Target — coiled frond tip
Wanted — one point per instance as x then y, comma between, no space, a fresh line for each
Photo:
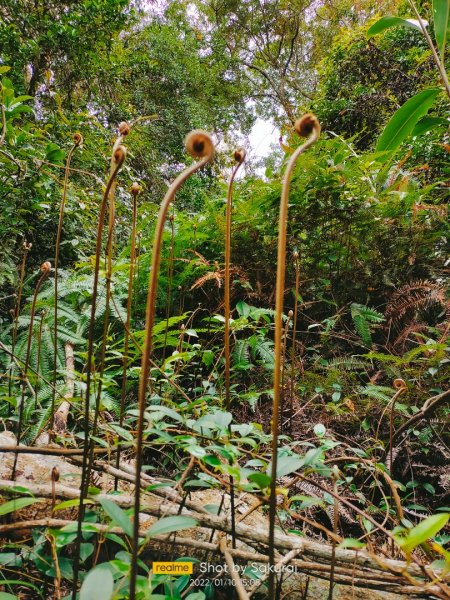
306,125
124,128
199,144
135,189
239,155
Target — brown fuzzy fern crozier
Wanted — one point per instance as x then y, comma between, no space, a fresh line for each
239,157
306,125
45,272
199,145
135,191
117,160
77,141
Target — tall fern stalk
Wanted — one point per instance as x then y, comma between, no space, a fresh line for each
124,129
118,158
45,272
26,249
296,258
239,157
135,189
308,125
77,141
198,145
169,277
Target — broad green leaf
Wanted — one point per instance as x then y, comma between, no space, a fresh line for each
170,524
405,118
428,123
243,309
441,17
4,69
117,515
22,583
71,503
286,465
86,549
169,412
98,585
351,543
260,479
6,596
422,532
13,505
320,429
11,559
388,22
213,509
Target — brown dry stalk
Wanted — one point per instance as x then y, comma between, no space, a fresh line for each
26,249
124,129
240,589
239,157
294,336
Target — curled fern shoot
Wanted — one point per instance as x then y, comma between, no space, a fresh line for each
308,125
45,272
77,141
239,157
118,158
135,189
198,145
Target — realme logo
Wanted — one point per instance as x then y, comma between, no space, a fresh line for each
173,568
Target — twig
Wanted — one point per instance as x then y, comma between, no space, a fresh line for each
240,589
429,406
283,561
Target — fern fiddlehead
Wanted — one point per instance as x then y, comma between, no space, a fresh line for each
26,249
45,272
135,190
308,125
118,158
198,145
77,141
239,157
124,130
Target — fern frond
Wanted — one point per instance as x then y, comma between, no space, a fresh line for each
378,392
348,363
363,317
241,355
414,296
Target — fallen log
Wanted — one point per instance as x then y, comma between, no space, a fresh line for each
357,577
353,567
